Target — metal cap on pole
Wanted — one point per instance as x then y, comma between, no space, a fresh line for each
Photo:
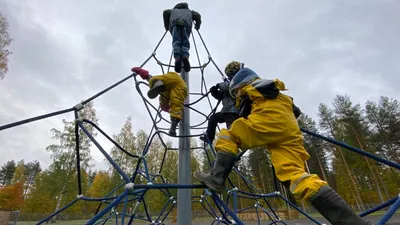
184,168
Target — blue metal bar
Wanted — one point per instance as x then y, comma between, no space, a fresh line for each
146,170
392,210
170,186
108,208
273,194
57,212
379,207
122,173
124,210
234,202
351,148
258,215
97,199
218,201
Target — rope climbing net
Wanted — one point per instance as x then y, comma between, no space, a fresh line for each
222,211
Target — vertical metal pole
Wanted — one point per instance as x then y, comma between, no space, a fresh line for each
184,173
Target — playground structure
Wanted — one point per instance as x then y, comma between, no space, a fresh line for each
134,193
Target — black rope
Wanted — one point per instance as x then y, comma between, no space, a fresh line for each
78,159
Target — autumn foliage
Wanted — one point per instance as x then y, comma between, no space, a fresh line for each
11,197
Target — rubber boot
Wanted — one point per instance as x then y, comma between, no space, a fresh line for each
178,65
174,124
216,177
334,208
156,89
186,64
203,136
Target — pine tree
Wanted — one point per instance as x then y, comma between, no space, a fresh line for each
346,183
7,173
355,132
384,121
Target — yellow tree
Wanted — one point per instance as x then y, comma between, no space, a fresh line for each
19,174
11,197
100,185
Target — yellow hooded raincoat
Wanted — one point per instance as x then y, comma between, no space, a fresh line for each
272,124
175,92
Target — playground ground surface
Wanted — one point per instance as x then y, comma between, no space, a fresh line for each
395,220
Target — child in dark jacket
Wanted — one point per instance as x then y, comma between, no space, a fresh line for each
228,113
179,21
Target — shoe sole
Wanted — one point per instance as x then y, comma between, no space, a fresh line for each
209,185
153,93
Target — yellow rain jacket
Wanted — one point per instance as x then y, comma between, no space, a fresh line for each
271,124
175,92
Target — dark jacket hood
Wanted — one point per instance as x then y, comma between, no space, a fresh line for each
182,5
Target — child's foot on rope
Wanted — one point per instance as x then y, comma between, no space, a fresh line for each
178,65
186,64
205,137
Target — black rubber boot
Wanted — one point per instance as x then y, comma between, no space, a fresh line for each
156,89
203,137
215,178
186,64
174,124
178,66
334,208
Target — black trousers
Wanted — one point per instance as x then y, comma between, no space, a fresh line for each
219,117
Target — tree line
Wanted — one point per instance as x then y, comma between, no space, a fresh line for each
374,127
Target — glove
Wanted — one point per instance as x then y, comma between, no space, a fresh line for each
197,26
165,108
215,92
144,74
296,110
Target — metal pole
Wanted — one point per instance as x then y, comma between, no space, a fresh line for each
184,173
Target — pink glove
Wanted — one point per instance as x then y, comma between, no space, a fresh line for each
164,108
144,74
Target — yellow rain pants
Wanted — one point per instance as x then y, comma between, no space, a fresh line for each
273,125
175,92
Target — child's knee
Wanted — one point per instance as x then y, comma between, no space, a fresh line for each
306,187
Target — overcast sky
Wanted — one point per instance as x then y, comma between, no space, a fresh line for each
66,51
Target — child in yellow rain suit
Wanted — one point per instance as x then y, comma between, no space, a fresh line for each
271,122
172,90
